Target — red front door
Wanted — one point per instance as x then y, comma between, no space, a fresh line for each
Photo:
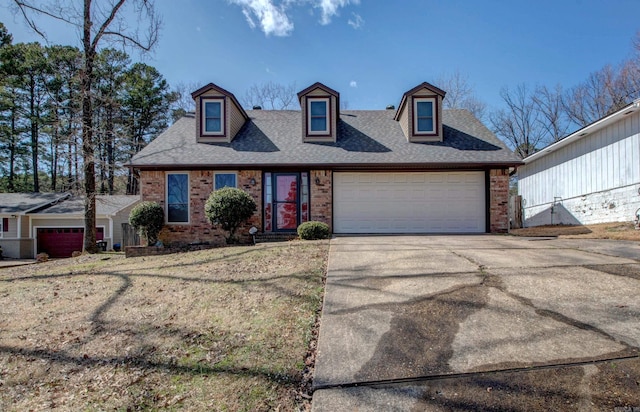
286,201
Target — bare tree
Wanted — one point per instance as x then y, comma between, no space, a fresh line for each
518,124
270,95
605,91
460,94
184,102
552,117
98,23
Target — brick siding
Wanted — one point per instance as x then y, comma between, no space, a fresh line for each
322,197
152,184
199,229
499,200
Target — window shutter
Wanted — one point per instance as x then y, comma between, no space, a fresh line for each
5,224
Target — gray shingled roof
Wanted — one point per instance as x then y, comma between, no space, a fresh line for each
105,205
366,138
14,203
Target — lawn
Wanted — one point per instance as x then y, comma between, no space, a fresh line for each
614,231
223,329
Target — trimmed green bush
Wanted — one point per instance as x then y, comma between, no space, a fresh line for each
313,230
148,219
229,208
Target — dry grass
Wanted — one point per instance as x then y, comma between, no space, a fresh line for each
224,329
616,231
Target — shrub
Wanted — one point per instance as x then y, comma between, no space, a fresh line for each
229,208
148,219
313,230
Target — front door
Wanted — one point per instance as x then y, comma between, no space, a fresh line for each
285,201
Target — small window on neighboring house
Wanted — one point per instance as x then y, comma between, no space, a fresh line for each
318,113
221,180
212,116
5,226
177,198
424,116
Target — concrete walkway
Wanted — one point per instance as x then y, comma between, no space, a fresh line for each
7,263
478,322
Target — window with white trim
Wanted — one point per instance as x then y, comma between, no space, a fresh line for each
424,115
318,115
212,113
226,179
177,198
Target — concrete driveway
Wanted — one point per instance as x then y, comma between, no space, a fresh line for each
479,322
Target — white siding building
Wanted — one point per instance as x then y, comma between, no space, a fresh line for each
591,176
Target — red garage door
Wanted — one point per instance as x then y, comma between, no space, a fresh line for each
62,242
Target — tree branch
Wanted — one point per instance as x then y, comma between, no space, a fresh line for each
23,5
106,23
145,47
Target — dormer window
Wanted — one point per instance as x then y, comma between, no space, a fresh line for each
320,115
420,113
425,115
220,115
212,111
318,119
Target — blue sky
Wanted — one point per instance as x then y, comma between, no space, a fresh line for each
374,51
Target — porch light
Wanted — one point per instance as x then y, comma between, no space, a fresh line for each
252,181
317,180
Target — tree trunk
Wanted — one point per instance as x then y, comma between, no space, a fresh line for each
34,133
12,151
55,139
87,137
110,149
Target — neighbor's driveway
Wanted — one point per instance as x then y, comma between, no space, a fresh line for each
423,321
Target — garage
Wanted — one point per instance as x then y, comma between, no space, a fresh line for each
61,242
409,202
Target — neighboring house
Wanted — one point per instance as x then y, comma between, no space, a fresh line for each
417,169
590,176
54,223
15,237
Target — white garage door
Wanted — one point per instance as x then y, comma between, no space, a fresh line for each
420,202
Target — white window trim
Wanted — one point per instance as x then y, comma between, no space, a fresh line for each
326,101
1,227
434,106
203,118
224,173
166,198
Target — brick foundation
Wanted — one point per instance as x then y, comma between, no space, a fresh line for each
499,201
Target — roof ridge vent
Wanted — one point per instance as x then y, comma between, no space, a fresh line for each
391,107
257,107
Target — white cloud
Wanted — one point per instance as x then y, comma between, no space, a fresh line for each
329,8
273,19
353,83
356,22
